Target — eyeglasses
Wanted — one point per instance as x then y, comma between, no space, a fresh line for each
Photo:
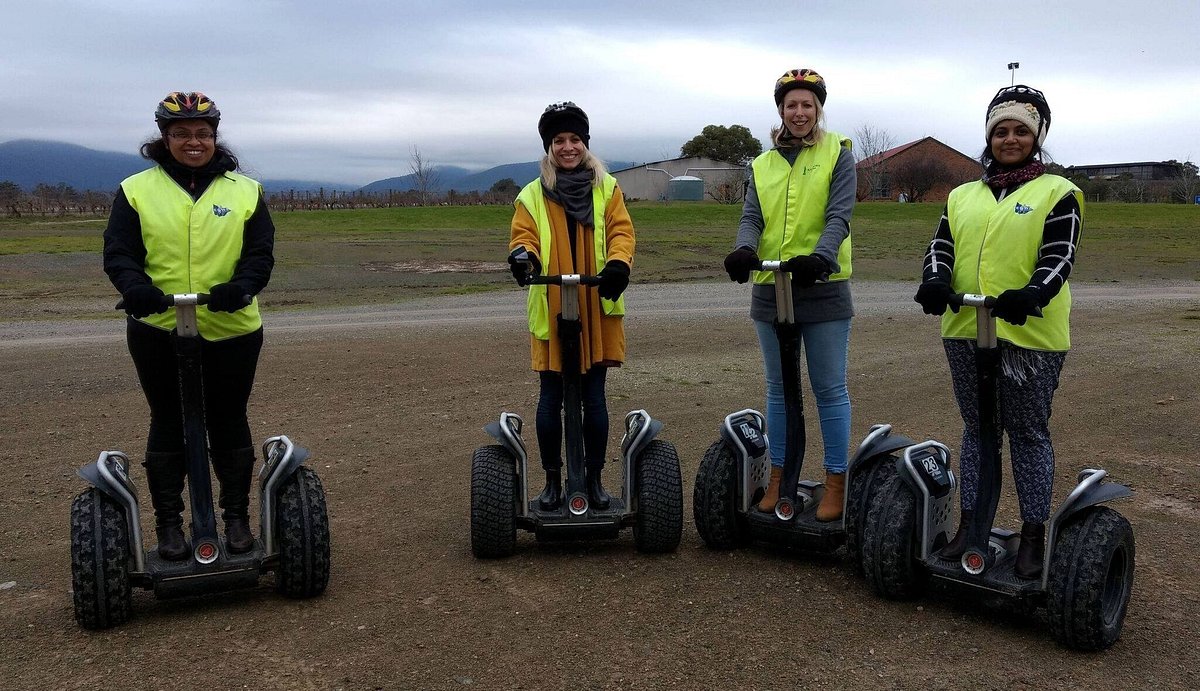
182,136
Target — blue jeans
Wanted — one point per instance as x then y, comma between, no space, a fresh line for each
826,346
595,418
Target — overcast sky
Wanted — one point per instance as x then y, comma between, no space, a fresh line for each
344,90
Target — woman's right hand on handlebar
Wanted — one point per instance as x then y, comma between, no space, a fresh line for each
934,297
523,265
740,262
143,299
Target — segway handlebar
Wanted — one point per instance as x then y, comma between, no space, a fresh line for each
565,280
185,299
974,300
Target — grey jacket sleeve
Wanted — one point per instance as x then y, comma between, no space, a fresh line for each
750,228
843,188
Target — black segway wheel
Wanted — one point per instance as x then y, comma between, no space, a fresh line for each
660,499
1091,577
493,502
890,547
99,561
715,500
302,527
866,483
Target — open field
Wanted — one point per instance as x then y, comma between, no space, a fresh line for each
391,399
374,256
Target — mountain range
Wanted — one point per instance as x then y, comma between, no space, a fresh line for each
29,162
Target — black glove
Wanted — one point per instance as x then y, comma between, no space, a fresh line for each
227,297
614,279
1015,306
143,300
934,297
524,267
807,269
740,262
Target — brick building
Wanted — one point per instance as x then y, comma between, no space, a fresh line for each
889,174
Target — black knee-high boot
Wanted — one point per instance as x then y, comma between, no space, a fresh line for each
551,496
235,470
165,473
597,497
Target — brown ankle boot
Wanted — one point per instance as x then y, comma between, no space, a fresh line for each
958,544
771,498
830,508
1031,550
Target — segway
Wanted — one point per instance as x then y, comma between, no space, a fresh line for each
651,498
734,474
1087,571
107,554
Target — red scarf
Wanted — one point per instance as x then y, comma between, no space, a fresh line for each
1013,177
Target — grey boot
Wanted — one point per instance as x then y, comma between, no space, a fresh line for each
165,473
235,471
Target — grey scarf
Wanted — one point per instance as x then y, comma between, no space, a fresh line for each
573,190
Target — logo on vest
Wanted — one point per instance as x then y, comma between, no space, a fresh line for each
805,170
1022,209
219,210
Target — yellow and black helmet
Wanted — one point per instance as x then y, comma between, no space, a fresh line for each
800,79
186,105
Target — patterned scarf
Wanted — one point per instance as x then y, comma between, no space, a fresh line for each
573,190
999,179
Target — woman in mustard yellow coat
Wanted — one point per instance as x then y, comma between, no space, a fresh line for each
572,220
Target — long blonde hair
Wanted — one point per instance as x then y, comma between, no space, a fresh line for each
782,137
550,167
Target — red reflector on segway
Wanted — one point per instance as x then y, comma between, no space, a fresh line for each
973,561
206,552
784,510
578,504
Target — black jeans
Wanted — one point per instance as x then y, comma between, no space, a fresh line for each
595,418
229,368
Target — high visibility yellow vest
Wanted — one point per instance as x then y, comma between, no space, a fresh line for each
793,199
996,246
192,245
534,201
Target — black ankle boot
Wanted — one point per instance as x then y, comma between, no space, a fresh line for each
1031,550
958,544
597,497
551,497
235,470
165,472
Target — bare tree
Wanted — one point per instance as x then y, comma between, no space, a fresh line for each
425,177
1185,183
869,143
915,178
728,188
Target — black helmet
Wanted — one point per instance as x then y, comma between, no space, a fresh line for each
563,117
186,105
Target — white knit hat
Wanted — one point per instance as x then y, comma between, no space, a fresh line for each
1021,103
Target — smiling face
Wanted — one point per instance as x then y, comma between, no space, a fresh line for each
191,142
800,112
567,150
1011,142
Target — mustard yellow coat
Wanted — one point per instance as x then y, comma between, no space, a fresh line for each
603,336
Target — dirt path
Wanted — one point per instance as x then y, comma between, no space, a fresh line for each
392,400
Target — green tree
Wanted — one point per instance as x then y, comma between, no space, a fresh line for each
733,144
506,187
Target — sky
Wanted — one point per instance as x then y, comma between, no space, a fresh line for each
346,91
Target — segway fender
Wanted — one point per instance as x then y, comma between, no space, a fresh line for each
925,468
1091,491
640,430
281,459
879,441
109,474
507,431
743,434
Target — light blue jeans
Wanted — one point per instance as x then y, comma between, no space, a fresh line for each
826,346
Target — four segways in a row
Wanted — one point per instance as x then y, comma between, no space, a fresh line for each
108,557
651,498
1087,569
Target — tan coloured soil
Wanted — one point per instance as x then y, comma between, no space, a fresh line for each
392,408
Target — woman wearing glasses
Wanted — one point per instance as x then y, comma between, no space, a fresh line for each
572,219
1012,234
797,209
192,225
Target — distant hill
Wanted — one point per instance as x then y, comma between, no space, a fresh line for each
462,180
29,162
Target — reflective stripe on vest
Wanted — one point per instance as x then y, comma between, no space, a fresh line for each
192,245
996,245
793,200
534,201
